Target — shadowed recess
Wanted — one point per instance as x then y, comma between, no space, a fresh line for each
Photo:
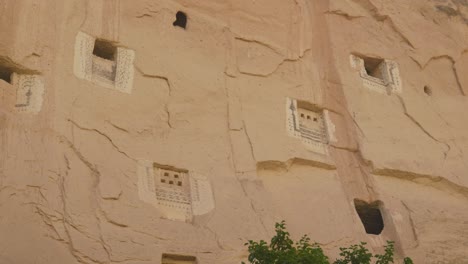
178,259
427,90
5,73
104,49
181,20
373,67
370,216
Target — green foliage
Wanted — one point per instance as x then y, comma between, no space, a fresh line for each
359,254
355,254
283,250
408,261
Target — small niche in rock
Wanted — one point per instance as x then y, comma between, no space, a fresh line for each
427,90
181,20
370,215
178,259
373,67
5,73
104,49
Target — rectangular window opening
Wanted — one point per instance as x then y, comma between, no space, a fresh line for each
104,49
178,259
374,67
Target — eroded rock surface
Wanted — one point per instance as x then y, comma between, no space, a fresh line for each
127,138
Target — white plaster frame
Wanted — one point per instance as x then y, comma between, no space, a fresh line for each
391,82
84,59
293,128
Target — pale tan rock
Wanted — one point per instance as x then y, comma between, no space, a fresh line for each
86,135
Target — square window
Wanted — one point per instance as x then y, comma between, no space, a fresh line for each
103,62
104,49
374,67
308,122
378,74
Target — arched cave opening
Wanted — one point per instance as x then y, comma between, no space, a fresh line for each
370,215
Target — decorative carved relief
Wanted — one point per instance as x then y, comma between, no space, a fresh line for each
114,71
378,74
308,124
29,90
178,193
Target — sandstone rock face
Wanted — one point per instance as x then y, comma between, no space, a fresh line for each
173,131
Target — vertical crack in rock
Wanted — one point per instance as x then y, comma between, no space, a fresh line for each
154,76
413,226
405,111
67,219
233,161
96,174
248,140
166,109
374,12
215,236
48,221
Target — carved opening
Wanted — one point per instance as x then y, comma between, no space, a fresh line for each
178,259
427,90
104,49
181,20
374,67
311,124
5,73
370,215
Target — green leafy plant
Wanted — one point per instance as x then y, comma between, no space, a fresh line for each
283,250
355,254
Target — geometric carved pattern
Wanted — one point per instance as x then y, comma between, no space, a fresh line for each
29,90
172,190
307,124
115,73
177,193
384,77
25,87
